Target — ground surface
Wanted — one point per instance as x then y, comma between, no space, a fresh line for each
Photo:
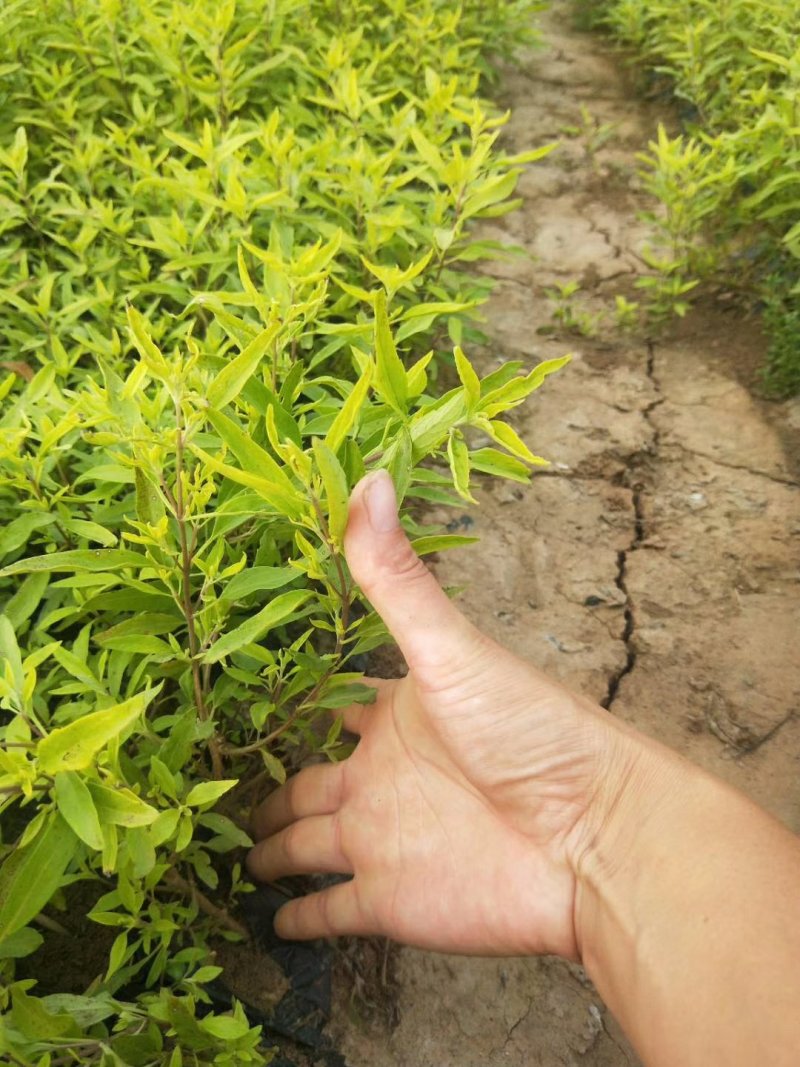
654,567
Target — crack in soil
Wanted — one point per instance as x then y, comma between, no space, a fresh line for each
513,1027
639,537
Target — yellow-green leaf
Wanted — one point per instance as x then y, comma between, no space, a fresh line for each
276,612
148,350
510,439
232,378
423,546
348,413
81,559
390,374
208,792
31,875
469,379
73,747
120,806
458,455
336,491
289,504
75,803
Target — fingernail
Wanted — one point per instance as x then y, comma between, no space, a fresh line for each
381,502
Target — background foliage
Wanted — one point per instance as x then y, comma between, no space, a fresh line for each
730,185
235,247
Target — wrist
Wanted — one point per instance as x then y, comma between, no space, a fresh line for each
677,872
634,829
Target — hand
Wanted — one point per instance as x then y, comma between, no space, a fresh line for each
474,788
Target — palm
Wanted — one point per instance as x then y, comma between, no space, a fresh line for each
431,852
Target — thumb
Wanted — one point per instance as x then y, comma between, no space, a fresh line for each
429,629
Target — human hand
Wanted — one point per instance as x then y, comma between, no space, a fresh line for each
475,785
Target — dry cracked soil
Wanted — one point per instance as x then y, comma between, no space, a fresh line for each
653,566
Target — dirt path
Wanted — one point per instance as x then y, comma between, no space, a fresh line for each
654,567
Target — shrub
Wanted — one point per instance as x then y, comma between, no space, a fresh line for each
730,186
234,245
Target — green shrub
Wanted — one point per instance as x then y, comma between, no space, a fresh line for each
731,185
235,244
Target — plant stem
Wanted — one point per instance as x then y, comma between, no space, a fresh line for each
187,555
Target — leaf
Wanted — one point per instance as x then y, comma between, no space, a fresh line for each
398,462
423,546
348,413
252,457
73,747
256,580
431,425
285,503
10,654
149,505
75,803
85,1010
30,876
141,644
16,533
208,792
225,1027
510,439
120,806
75,666
148,350
511,393
336,490
427,150
490,461
26,599
469,379
491,191
458,455
20,944
91,531
97,559
276,612
390,374
232,378
276,769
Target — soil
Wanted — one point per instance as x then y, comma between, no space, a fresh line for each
653,566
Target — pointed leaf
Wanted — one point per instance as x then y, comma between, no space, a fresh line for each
276,612
31,875
348,413
423,546
336,490
75,803
469,379
390,376
458,455
73,747
97,559
510,439
285,503
232,378
208,792
120,807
